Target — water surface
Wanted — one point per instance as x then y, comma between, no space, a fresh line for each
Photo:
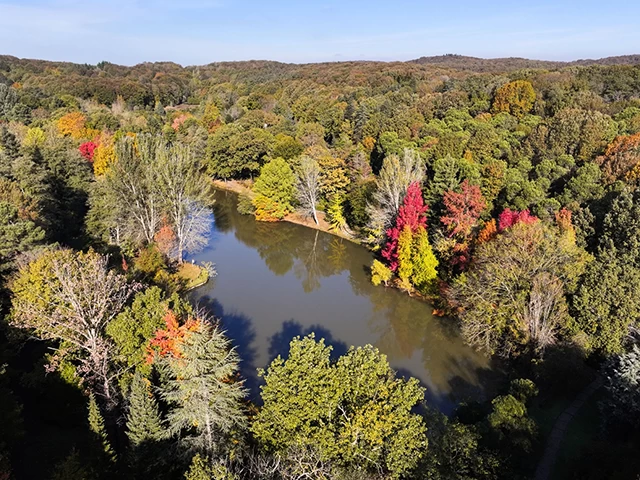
279,280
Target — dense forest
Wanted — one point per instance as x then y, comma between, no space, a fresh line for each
506,192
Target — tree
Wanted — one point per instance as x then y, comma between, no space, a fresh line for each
202,391
405,257
184,192
509,418
201,469
274,191
72,124
508,218
412,214
133,328
87,150
515,97
96,425
607,304
132,188
18,233
395,177
621,406
354,411
462,210
493,298
71,297
380,273
308,185
424,262
143,419
621,158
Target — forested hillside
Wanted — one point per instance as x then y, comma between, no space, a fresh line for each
506,192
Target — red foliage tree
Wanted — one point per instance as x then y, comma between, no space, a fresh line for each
508,218
87,150
413,213
463,209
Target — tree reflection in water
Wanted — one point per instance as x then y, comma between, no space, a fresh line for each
304,280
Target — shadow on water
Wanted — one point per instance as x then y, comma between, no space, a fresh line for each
279,342
321,284
239,329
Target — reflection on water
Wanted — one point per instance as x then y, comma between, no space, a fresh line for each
279,280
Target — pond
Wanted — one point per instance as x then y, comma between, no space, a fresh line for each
279,280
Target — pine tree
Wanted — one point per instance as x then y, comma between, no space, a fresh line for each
380,273
143,422
96,425
202,390
8,144
405,259
425,263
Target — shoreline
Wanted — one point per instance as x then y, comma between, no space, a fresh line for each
295,218
236,187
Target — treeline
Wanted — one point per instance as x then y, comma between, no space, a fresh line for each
510,199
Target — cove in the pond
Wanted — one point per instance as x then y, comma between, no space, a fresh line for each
279,280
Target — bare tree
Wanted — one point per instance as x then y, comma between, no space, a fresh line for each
545,311
397,173
131,185
185,192
308,185
70,297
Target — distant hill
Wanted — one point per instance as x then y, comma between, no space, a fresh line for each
461,62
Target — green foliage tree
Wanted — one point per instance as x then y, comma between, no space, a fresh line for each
494,297
202,391
354,411
274,191
380,273
96,425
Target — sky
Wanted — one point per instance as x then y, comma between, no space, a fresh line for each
195,32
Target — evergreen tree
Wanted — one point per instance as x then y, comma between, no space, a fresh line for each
143,421
425,263
202,390
96,425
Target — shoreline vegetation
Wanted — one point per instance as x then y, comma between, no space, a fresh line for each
242,189
508,188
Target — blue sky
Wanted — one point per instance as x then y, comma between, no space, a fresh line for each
202,31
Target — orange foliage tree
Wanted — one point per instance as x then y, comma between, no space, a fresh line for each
166,341
621,159
72,124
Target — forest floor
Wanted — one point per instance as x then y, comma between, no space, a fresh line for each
243,188
562,439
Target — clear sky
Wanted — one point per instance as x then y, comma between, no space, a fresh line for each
202,31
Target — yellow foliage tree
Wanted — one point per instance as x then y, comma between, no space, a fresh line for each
34,138
73,125
104,155
516,98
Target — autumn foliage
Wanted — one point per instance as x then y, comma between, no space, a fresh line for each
166,342
621,160
72,124
516,98
462,209
412,213
87,150
508,218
